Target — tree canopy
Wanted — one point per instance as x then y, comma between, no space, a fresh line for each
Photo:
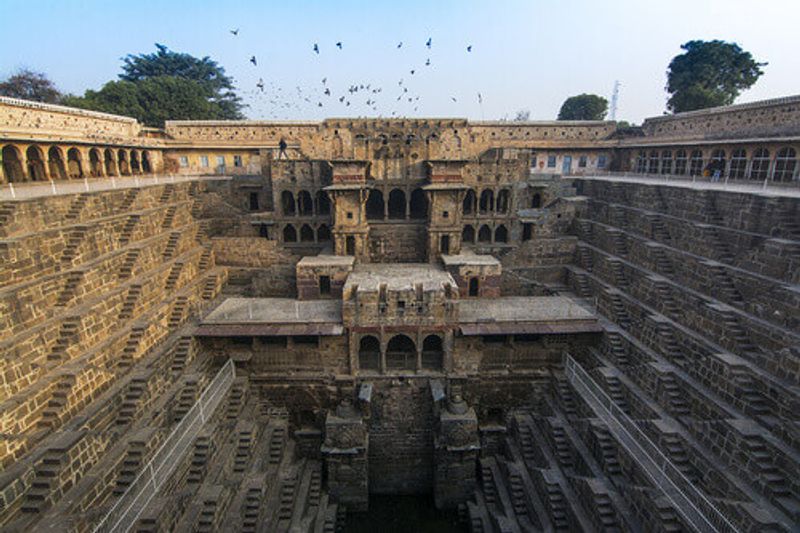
584,107
709,74
166,85
30,85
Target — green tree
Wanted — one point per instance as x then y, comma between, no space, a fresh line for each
709,74
584,107
166,85
30,85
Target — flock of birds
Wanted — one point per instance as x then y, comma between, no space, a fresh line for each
392,102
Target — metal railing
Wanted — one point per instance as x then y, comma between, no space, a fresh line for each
123,515
711,181
37,189
698,512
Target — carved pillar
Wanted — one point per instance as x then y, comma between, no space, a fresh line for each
345,451
456,447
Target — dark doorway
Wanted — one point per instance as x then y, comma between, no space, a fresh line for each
324,285
444,244
473,286
350,246
253,201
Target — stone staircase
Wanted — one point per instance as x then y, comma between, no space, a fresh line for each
607,449
618,272
181,355
286,503
562,448
76,207
137,390
735,331
567,399
713,236
619,311
277,442
673,448
166,194
6,212
676,399
201,453
134,292
131,349
171,246
130,197
663,263
45,480
604,510
73,243
724,283
126,270
205,258
169,217
670,344
251,509
617,393
57,404
658,230
764,467
173,276
585,258
557,507
617,348
126,234
67,336
668,303
178,312
747,391
73,280
620,242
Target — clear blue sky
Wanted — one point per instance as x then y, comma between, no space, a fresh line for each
526,54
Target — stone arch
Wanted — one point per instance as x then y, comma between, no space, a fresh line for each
485,234
306,233
718,162
55,159
375,205
36,170
486,204
501,234
323,203
401,353
503,197
418,205
468,206
738,166
680,162
95,163
305,205
122,161
536,200
696,163
759,166
432,353
12,164
135,166
74,163
652,164
397,204
287,203
369,353
289,233
111,164
147,167
468,234
323,233
666,162
785,164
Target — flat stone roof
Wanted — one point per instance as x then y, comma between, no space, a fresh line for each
470,259
397,277
525,314
326,260
275,311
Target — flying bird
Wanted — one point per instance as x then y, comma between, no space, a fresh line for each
235,32
428,42
341,99
412,72
327,92
469,48
428,62
253,60
453,98
324,81
400,44
260,84
316,48
480,98
339,45
319,104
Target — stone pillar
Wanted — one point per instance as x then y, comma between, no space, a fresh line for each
456,447
345,451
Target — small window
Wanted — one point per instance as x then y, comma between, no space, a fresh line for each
494,339
325,285
533,161
551,161
242,341
582,161
183,161
310,340
445,214
601,161
237,160
473,286
527,231
220,160
273,341
349,215
401,304
253,201
263,231
204,161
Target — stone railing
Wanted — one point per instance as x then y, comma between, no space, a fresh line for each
701,182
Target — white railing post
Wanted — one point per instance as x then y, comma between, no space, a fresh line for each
53,187
86,183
